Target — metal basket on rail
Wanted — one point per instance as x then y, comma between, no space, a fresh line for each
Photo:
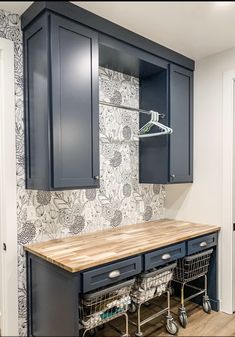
193,266
152,284
104,305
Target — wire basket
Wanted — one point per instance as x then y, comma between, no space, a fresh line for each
152,284
99,307
192,267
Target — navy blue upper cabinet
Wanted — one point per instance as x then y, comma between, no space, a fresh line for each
61,104
168,159
63,48
75,104
181,121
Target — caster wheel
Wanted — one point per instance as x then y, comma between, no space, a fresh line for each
92,332
206,306
132,307
172,327
183,318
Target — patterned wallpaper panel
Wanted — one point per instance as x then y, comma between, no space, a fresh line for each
121,200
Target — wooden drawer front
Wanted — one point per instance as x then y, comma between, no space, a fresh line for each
162,256
112,273
201,243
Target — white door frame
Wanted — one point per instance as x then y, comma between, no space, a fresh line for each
227,260
8,214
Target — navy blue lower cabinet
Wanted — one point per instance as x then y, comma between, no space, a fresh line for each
213,280
52,299
53,293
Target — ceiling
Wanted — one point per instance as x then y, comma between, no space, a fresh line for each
195,29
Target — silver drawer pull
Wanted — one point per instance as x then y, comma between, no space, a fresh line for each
203,244
166,256
114,273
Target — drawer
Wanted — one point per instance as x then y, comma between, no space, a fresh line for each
109,274
162,256
201,243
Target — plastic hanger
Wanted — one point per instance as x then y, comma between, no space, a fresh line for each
154,121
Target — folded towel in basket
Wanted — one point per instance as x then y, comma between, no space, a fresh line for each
111,309
146,287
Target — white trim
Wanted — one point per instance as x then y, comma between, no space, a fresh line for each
226,261
8,215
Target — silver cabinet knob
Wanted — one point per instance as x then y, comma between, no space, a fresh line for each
96,177
166,256
172,176
203,244
114,273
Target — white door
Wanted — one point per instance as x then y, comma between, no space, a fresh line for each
8,218
233,201
227,235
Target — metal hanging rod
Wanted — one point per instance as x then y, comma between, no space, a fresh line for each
125,107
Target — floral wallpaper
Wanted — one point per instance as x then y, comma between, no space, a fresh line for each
121,200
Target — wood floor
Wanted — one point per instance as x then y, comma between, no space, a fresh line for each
200,324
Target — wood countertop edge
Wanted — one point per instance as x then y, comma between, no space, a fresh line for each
211,229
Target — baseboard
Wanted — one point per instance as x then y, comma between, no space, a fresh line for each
215,305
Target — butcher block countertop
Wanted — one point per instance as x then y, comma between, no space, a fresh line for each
78,253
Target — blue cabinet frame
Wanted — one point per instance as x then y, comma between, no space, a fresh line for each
63,48
181,121
53,293
61,104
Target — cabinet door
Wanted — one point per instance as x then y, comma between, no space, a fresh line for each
181,121
36,107
75,105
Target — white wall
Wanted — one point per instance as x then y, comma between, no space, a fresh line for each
8,214
202,201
